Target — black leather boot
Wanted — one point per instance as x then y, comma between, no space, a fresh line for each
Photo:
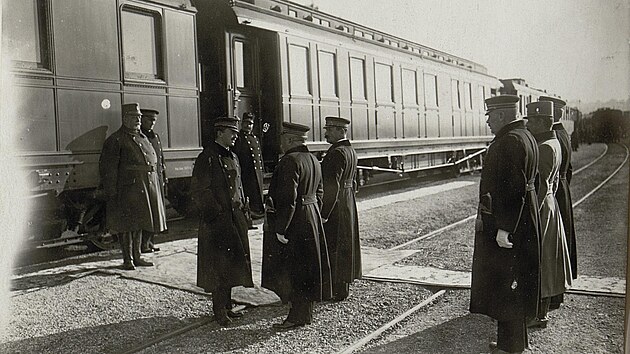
137,261
124,239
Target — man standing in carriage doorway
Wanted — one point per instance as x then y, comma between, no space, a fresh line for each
128,168
506,259
223,258
247,148
339,210
149,117
563,194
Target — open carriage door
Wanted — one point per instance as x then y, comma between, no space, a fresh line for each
243,77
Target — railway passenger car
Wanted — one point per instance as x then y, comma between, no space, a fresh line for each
412,108
74,63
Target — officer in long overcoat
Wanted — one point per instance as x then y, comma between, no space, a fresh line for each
223,258
128,168
554,260
249,154
296,192
506,264
147,123
339,209
563,195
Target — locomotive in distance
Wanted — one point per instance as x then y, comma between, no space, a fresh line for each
413,109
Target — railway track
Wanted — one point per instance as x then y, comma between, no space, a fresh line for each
439,292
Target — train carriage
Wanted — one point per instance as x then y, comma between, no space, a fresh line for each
413,108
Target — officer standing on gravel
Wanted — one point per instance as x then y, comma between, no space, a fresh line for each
563,195
506,265
223,258
247,149
128,167
149,117
339,209
295,197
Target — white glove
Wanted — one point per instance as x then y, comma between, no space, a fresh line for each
502,239
282,239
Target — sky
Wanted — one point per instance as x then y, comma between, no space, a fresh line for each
578,49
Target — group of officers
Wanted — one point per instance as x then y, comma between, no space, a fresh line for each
524,253
311,248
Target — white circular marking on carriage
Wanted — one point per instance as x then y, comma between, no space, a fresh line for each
106,104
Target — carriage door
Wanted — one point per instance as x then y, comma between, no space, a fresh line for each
243,83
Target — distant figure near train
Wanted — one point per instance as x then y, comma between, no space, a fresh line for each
339,210
506,268
247,148
128,168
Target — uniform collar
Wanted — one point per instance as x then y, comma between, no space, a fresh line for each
517,124
222,150
149,133
548,135
299,148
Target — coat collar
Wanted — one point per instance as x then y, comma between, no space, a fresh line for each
342,142
223,152
517,124
544,136
148,133
299,148
558,126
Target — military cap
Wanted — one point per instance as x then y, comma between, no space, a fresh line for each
131,108
542,109
501,102
295,129
337,122
149,112
248,117
227,122
557,103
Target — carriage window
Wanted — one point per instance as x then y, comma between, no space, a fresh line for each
469,101
482,91
357,78
327,75
141,34
455,94
431,90
384,92
299,77
409,87
242,64
25,33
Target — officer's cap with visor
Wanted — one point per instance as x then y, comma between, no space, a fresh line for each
501,102
540,110
131,109
294,129
337,122
226,122
248,117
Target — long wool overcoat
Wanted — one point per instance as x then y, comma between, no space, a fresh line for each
299,269
563,195
555,277
128,170
339,168
505,282
223,258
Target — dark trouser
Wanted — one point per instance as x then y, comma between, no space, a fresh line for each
147,240
221,300
130,245
556,301
512,336
301,311
341,290
543,307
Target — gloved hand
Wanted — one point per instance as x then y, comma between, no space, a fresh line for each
502,239
282,239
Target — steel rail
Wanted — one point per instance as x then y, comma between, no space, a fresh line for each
471,217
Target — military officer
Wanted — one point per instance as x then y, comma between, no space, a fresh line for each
506,266
223,258
339,209
554,260
247,149
147,123
563,195
296,191
128,168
